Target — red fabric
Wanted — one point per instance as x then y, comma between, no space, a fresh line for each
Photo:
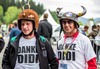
74,35
92,63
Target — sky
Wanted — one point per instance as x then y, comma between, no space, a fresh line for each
92,6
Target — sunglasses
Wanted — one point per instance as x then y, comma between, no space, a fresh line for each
69,22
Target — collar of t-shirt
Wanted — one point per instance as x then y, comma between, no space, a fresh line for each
73,36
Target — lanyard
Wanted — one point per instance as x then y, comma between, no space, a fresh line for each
66,50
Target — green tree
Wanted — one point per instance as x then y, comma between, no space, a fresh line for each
54,16
1,13
11,14
80,23
39,8
6,3
1,10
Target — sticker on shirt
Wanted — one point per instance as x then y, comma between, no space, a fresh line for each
63,66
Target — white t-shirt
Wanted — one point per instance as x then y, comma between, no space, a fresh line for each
78,54
27,56
3,27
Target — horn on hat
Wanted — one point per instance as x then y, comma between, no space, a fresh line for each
82,13
23,7
58,11
27,5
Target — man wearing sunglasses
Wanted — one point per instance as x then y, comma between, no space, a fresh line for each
74,50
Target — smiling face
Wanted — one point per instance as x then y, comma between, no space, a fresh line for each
68,26
26,26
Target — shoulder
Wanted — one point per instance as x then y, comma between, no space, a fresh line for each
82,37
14,28
42,21
83,32
13,39
49,23
60,40
43,39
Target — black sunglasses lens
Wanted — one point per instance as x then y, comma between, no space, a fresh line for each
64,22
70,21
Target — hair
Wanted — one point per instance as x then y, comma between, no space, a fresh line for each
86,27
15,24
93,27
45,15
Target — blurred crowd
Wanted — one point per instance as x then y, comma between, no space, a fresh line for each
6,30
94,36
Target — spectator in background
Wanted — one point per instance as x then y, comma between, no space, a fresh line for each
3,28
15,31
97,42
10,27
45,28
92,35
2,43
85,30
94,32
98,27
